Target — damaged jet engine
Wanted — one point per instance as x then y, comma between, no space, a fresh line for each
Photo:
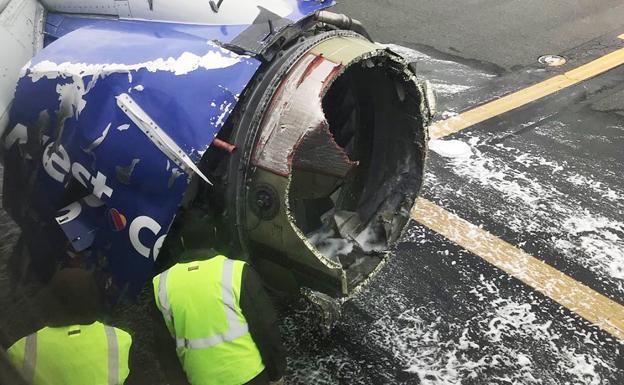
296,139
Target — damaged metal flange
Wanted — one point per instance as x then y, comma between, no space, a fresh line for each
327,310
338,132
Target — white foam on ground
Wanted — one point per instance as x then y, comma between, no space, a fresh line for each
543,206
462,73
450,148
598,187
500,344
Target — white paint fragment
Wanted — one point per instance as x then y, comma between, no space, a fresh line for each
225,108
187,62
138,88
175,174
123,127
99,140
450,148
25,68
71,97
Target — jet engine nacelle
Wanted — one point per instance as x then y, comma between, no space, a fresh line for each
284,137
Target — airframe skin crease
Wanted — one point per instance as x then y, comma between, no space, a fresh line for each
287,123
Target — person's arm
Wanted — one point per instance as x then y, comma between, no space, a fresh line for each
262,321
165,350
9,374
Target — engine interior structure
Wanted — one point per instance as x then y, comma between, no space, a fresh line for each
283,132
334,160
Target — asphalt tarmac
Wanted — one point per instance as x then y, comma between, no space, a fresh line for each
545,177
503,34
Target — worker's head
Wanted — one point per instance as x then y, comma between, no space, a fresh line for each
200,231
72,297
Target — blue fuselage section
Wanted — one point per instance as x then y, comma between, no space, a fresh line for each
104,123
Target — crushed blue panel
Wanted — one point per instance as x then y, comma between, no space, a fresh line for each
105,153
308,7
80,223
70,158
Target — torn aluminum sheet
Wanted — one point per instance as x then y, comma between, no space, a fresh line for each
335,163
117,127
78,81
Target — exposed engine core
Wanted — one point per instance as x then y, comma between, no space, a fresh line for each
292,141
330,164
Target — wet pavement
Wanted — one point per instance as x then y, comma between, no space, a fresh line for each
545,177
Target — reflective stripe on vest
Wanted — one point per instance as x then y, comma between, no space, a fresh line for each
235,328
30,356
162,297
113,355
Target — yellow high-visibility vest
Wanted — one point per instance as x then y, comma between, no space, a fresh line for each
200,302
94,354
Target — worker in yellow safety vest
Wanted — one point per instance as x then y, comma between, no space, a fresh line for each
223,323
74,348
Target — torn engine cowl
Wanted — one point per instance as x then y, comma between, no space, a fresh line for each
331,151
304,143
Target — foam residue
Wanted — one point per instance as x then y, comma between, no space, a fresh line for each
450,148
502,341
448,78
326,242
592,237
369,240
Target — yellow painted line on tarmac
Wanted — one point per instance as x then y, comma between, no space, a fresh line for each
573,295
527,95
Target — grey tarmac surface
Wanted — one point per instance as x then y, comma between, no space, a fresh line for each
503,34
545,177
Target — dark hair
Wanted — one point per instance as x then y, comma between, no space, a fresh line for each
199,230
72,298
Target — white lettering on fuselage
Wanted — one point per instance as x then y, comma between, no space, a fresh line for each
138,224
57,164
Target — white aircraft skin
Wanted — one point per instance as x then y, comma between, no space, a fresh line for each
178,11
21,37
22,21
